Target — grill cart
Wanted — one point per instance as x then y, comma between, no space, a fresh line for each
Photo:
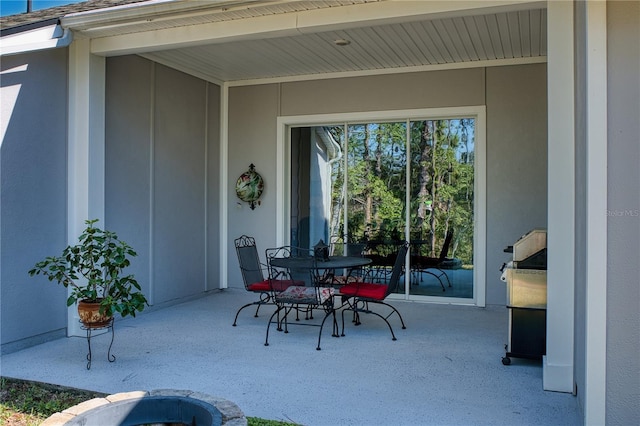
526,278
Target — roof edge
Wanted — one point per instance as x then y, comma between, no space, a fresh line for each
28,27
36,40
140,10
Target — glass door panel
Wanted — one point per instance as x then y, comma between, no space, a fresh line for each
376,170
379,183
442,184
316,154
376,188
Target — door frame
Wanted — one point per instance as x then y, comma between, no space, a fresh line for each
283,179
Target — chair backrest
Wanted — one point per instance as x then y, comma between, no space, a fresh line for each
398,267
298,275
307,275
445,246
249,261
355,249
338,247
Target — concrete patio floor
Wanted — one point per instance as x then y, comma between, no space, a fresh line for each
444,369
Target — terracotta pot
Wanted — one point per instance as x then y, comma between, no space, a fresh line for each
90,316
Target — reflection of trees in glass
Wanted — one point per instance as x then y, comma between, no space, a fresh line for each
441,183
376,170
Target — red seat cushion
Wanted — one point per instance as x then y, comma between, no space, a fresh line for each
278,285
365,290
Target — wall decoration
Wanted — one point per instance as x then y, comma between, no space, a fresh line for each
249,187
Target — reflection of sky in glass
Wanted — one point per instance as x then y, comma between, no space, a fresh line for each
457,128
377,130
357,134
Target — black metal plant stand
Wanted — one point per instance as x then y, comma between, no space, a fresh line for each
109,325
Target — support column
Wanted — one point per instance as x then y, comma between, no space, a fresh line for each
595,321
86,154
558,362
224,185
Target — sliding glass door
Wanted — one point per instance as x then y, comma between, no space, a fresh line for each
374,184
442,203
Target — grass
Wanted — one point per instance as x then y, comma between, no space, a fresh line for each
26,403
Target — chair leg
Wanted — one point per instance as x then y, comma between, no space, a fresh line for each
265,299
287,311
284,319
330,312
353,308
356,311
397,312
257,309
342,313
235,321
365,309
446,276
437,277
393,335
278,321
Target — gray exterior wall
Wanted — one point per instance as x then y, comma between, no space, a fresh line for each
516,142
162,175
252,139
161,184
33,191
623,204
127,157
516,163
623,212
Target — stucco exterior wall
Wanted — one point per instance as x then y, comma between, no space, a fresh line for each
159,169
386,92
623,210
622,372
516,163
516,125
33,191
127,157
252,139
162,132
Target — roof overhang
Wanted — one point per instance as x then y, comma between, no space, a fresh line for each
168,24
255,41
40,37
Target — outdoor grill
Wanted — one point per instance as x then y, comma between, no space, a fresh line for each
526,278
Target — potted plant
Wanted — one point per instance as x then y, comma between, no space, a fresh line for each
94,270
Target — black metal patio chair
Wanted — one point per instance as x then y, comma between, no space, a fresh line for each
313,296
359,295
253,275
427,264
340,248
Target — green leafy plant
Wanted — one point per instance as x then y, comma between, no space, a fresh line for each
93,269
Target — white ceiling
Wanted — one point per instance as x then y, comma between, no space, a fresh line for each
374,46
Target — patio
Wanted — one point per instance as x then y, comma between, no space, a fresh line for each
444,369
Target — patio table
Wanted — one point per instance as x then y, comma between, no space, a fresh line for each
334,262
324,297
313,265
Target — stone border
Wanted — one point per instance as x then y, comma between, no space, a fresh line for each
221,411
